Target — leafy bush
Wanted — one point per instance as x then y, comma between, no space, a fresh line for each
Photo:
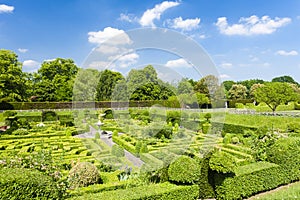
83,174
118,151
206,127
28,184
20,131
126,145
206,189
250,179
235,140
207,116
162,191
49,116
144,148
239,106
97,135
184,170
222,162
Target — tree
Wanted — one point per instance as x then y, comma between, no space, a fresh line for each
254,88
228,84
106,84
237,91
184,87
284,79
209,85
85,85
54,80
274,94
13,82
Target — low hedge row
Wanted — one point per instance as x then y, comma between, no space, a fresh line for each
28,184
163,191
126,145
70,105
99,188
250,179
151,160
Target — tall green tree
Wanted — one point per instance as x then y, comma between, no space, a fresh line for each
284,79
13,82
54,80
274,94
184,87
85,85
106,84
237,91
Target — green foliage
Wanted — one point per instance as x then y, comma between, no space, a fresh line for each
49,116
144,148
206,189
83,174
184,170
239,106
126,145
235,140
173,116
222,162
118,151
206,127
237,91
28,184
284,79
97,135
54,80
250,179
20,131
162,191
274,94
207,116
13,83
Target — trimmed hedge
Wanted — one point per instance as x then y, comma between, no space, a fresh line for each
28,184
163,191
184,170
250,179
126,145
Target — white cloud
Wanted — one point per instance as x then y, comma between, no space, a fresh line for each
224,76
30,65
252,25
186,25
287,53
127,60
226,65
128,17
119,36
151,14
108,49
22,50
177,63
6,9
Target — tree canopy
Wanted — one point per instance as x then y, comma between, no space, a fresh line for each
274,94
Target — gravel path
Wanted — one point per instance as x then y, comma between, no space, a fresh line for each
135,160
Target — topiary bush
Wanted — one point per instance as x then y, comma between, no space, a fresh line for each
83,174
184,170
16,183
118,151
49,116
20,131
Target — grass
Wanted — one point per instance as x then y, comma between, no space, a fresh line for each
1,119
258,120
291,191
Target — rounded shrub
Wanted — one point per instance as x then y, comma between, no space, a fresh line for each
20,131
184,170
118,151
17,183
235,140
83,174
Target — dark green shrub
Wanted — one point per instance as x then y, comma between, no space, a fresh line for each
28,184
293,127
235,140
83,174
206,185
67,123
174,117
207,116
108,114
250,179
118,151
49,116
184,170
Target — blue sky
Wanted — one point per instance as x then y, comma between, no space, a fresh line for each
245,39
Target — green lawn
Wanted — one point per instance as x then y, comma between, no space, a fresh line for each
291,191
258,120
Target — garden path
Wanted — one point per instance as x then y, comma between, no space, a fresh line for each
91,134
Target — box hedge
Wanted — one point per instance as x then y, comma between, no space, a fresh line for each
163,191
249,179
28,184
